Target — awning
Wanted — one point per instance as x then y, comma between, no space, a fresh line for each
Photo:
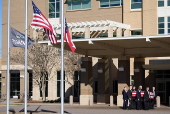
133,46
79,27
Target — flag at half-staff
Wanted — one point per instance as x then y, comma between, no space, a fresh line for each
17,39
40,20
68,38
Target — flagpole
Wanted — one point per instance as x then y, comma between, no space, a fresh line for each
26,47
8,62
62,55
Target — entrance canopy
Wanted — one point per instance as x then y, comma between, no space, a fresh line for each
134,46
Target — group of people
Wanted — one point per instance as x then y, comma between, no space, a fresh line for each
138,99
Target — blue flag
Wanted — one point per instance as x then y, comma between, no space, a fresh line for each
18,39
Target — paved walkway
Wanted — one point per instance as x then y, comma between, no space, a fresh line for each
77,109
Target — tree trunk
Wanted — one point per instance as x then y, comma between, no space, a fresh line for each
43,88
43,91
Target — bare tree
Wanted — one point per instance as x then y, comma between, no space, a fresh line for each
44,60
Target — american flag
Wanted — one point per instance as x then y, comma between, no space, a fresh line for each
40,20
68,38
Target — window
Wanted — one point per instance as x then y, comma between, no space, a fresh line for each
95,87
78,4
76,84
168,3
162,73
161,27
115,86
105,35
58,83
160,3
110,3
15,83
30,84
136,4
54,8
168,24
78,36
136,32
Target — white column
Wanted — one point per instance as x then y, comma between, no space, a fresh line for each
110,31
87,32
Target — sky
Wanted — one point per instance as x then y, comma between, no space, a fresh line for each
0,27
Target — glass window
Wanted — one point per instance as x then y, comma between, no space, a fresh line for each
136,32
168,3
160,86
136,4
78,4
114,34
168,24
76,84
58,83
86,4
109,3
15,83
30,84
161,25
78,36
54,8
160,3
103,35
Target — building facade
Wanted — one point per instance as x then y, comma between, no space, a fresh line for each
96,19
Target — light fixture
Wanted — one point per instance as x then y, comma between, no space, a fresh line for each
90,42
21,76
83,69
148,40
121,68
136,70
100,70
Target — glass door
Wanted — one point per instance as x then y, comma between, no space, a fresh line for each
167,92
161,91
15,84
76,86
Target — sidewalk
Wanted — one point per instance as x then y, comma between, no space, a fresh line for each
77,109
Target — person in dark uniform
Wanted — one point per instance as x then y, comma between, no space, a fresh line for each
152,102
125,98
142,98
133,101
123,90
130,97
138,97
146,99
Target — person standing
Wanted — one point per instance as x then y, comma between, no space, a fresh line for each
138,96
130,97
146,99
133,101
125,98
142,97
153,98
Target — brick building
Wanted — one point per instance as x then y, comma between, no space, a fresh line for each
125,50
